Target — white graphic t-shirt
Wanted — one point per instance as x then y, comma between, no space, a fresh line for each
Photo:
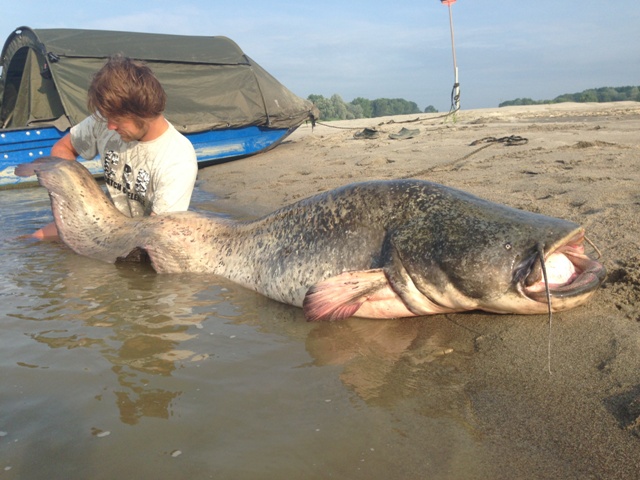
141,177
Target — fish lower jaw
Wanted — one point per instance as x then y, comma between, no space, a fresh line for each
522,304
587,277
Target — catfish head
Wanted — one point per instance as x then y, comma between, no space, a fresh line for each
481,255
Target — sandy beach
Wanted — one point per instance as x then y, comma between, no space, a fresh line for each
580,162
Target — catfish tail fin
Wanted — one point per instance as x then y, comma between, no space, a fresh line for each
86,219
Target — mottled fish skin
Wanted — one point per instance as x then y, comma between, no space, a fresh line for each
379,249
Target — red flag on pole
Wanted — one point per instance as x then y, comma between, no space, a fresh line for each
448,2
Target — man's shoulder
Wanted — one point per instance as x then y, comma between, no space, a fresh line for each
173,151
175,134
91,136
91,126
178,142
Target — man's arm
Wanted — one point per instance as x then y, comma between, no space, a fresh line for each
175,176
63,148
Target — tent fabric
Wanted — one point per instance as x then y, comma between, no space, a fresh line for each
210,83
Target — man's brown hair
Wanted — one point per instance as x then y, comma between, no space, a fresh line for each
126,88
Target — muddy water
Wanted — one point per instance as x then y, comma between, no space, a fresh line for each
116,372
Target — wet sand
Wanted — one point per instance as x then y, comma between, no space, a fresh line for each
575,161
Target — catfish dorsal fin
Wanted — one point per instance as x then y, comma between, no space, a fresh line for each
340,297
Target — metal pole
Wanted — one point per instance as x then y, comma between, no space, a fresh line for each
455,94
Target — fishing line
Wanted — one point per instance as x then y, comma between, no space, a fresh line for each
546,288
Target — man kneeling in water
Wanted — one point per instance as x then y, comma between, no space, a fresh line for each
149,167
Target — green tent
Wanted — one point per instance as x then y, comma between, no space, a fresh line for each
210,83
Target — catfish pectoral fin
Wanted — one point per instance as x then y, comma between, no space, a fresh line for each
342,296
363,293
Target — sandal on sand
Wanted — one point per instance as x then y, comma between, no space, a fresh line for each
404,134
367,133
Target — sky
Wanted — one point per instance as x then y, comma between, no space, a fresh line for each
504,49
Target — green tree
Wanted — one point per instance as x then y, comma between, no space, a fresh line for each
393,106
355,111
339,107
608,94
601,94
366,106
588,96
335,108
381,107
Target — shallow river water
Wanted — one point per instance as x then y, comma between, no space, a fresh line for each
117,372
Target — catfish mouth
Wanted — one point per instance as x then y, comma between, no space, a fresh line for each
570,272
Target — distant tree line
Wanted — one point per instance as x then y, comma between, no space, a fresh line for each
603,94
335,108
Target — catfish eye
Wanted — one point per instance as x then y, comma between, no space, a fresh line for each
507,246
